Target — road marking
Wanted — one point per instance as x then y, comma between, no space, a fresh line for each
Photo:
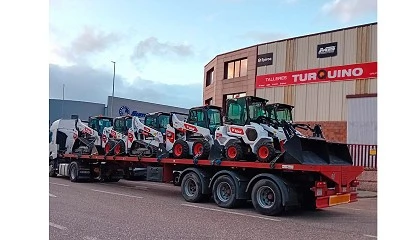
231,212
51,195
57,226
356,209
65,185
371,236
133,187
89,238
120,194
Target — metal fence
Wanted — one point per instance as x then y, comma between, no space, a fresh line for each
364,155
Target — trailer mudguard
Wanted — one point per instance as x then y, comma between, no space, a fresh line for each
241,183
202,174
288,194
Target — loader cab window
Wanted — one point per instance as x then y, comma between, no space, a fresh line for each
51,136
99,124
151,121
197,118
120,125
236,111
284,114
256,109
214,118
163,123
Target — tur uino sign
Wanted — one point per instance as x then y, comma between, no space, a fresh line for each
326,50
265,59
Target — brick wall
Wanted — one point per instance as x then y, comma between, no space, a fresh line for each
333,131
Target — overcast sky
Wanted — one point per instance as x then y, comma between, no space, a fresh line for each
160,47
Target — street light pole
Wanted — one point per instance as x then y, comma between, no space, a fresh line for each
113,86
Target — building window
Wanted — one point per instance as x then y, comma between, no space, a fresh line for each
237,68
209,77
209,101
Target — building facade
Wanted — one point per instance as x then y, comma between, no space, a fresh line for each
68,109
330,78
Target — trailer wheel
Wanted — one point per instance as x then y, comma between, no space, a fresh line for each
234,151
266,198
191,188
224,192
74,172
180,149
201,149
265,152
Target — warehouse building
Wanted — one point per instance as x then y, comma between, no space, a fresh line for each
330,78
68,109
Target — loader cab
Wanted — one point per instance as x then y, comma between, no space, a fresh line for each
279,111
122,124
209,117
244,110
157,121
98,123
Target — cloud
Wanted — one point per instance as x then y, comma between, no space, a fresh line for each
346,10
84,83
263,36
152,46
88,42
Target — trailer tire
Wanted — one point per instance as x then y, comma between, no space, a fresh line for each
234,151
225,192
191,188
74,172
180,149
266,198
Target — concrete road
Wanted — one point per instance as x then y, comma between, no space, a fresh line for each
147,210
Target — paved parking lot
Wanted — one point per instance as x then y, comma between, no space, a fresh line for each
147,210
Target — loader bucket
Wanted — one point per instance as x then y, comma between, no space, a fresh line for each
339,154
216,151
306,151
315,151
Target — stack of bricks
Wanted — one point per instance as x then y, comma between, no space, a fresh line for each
333,131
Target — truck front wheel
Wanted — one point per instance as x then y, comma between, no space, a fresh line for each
266,198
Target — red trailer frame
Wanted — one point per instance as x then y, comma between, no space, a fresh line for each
329,185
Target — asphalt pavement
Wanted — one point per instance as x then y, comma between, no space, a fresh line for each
149,210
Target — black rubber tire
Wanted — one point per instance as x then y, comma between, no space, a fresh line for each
52,172
277,207
111,144
206,148
231,201
74,172
270,154
122,147
239,151
197,195
184,147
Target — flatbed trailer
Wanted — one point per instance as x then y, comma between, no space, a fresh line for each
272,187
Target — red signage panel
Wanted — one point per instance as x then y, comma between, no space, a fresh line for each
329,74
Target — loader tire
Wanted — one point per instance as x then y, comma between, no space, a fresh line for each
234,151
201,149
265,152
109,147
180,149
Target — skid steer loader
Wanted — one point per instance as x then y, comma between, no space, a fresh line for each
194,136
92,137
242,137
301,149
158,121
130,136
